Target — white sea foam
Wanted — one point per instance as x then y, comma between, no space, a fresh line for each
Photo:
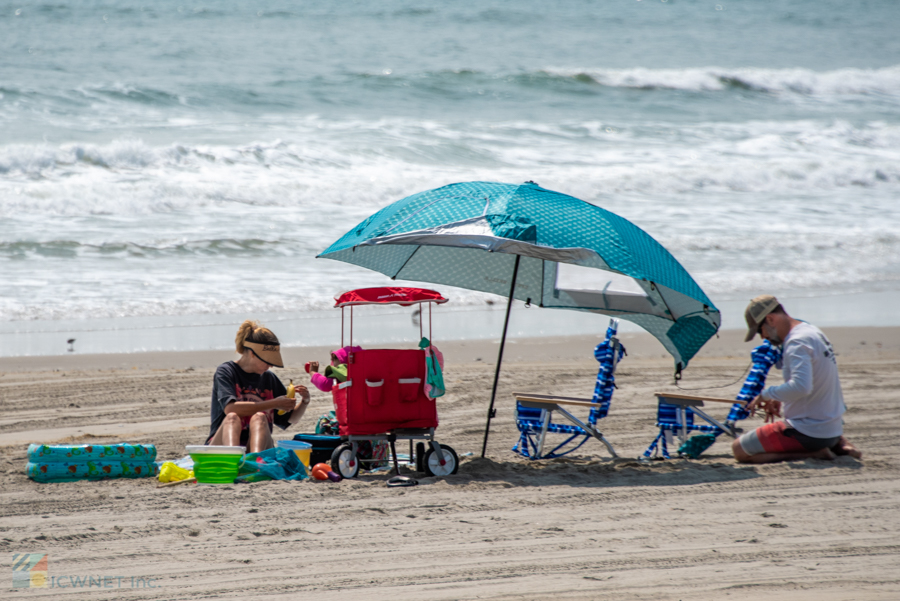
188,287
131,228
838,82
349,164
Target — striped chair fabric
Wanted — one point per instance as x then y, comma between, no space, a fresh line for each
668,419
530,421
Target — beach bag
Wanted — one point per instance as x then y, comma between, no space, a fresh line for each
694,446
327,424
271,464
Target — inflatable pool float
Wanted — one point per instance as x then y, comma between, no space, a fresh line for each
68,463
70,471
42,453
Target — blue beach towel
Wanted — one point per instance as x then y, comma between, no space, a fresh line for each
271,464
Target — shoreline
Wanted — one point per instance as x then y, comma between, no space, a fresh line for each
851,343
379,325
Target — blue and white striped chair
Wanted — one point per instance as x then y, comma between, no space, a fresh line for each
764,357
678,419
534,411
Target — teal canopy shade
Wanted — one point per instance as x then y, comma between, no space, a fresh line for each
574,255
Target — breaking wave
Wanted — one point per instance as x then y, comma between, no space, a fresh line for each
805,82
324,166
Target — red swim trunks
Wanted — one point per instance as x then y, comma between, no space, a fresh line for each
770,438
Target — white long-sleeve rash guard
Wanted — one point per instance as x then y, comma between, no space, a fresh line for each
811,393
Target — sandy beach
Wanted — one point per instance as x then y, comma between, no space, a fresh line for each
170,170
586,527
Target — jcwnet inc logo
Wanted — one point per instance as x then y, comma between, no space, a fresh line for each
30,570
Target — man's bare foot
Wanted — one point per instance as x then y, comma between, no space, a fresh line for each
844,447
825,454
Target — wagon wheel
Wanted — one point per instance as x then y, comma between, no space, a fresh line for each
433,465
344,461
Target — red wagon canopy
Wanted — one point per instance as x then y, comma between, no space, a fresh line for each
388,296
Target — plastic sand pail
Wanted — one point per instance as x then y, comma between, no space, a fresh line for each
215,464
302,449
323,446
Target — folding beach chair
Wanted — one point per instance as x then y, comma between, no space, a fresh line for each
534,412
675,412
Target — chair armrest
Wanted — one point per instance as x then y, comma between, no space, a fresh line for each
687,397
553,400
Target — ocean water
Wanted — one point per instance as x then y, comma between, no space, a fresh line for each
178,165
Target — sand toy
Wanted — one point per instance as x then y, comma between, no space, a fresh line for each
215,464
302,449
170,472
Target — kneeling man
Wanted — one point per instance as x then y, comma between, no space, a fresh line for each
810,398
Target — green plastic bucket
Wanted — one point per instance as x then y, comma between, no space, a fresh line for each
215,464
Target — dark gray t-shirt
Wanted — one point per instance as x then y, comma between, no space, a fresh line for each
231,383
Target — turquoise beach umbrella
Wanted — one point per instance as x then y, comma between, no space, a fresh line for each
538,246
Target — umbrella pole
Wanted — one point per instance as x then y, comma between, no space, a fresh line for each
491,411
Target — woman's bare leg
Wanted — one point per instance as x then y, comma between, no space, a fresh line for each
229,432
260,437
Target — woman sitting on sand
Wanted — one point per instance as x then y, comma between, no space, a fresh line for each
247,399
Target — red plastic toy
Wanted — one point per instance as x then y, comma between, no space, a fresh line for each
322,471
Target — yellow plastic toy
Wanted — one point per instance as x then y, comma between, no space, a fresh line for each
169,472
